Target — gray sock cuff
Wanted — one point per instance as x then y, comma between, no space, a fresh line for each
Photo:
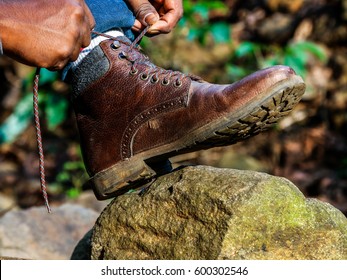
91,68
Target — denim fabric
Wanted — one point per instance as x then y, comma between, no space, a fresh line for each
112,14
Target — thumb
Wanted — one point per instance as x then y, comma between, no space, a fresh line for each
145,12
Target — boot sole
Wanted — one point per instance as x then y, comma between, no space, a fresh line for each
260,114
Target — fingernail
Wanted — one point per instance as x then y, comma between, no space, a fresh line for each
153,32
150,18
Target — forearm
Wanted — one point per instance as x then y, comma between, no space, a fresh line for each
17,17
7,8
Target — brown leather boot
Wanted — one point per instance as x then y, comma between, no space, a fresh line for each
132,114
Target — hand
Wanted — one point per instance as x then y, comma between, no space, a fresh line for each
163,15
45,33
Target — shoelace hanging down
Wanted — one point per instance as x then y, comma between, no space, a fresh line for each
39,138
37,118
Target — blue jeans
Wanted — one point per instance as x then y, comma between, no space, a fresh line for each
112,14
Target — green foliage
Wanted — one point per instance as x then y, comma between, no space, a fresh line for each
220,32
72,177
54,107
297,55
196,19
255,56
248,56
246,49
17,121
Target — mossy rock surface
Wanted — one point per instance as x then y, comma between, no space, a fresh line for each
210,213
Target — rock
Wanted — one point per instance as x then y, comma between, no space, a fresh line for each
6,203
210,213
83,248
35,234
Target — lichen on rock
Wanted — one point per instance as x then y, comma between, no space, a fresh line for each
211,213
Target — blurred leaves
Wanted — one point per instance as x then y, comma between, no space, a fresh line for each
220,32
53,105
256,56
246,49
246,56
197,20
55,109
17,122
297,55
72,177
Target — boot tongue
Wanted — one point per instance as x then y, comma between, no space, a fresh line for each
135,54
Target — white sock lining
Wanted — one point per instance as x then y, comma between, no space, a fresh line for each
94,42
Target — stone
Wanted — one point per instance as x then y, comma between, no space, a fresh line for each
213,213
6,203
35,234
83,248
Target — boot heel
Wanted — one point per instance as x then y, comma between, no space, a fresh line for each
120,178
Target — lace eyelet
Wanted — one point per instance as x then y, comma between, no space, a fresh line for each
121,55
133,71
115,45
178,83
154,79
165,82
144,76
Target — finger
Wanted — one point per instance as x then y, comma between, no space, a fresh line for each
77,46
87,26
160,26
59,66
147,16
145,13
170,14
90,17
166,23
75,53
84,35
67,52
138,26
